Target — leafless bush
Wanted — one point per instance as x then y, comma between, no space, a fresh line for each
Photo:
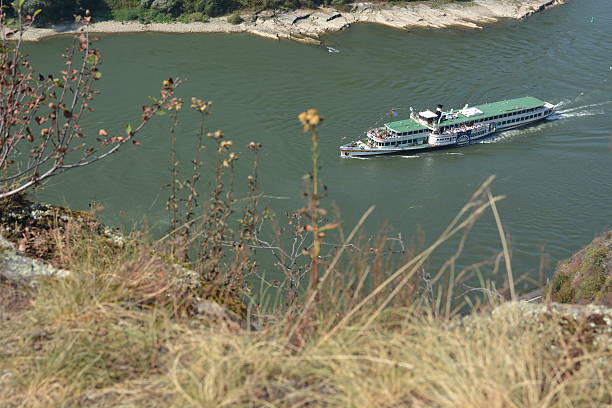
40,116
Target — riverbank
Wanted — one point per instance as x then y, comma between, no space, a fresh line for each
308,25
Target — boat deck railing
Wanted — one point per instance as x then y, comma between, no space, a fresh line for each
463,129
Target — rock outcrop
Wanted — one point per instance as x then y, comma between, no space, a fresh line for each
18,268
586,276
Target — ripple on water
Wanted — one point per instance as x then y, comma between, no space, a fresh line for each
555,174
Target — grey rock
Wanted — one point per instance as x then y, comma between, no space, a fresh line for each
594,320
18,268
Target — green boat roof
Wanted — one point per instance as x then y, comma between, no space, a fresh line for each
488,109
405,125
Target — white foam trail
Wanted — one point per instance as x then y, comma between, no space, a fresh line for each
578,114
410,157
575,108
563,103
332,50
455,153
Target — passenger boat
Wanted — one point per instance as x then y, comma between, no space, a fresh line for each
429,130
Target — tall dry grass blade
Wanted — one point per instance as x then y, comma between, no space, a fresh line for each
417,261
330,268
423,257
502,236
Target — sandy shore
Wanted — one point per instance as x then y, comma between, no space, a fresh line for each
308,25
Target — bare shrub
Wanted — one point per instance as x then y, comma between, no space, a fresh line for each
40,131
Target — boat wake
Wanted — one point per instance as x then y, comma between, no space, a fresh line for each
578,114
578,111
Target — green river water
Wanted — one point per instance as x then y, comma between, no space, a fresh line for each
557,175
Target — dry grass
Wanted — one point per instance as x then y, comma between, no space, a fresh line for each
120,333
105,354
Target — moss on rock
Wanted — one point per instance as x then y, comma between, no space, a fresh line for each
585,277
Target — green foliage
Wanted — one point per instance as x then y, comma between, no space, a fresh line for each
148,16
122,4
61,10
561,289
167,6
583,280
129,14
193,17
592,273
234,19
212,8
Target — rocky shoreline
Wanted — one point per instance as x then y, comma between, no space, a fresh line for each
308,25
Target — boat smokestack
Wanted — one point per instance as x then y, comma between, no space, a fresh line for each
439,110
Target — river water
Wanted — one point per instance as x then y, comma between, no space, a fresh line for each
556,175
